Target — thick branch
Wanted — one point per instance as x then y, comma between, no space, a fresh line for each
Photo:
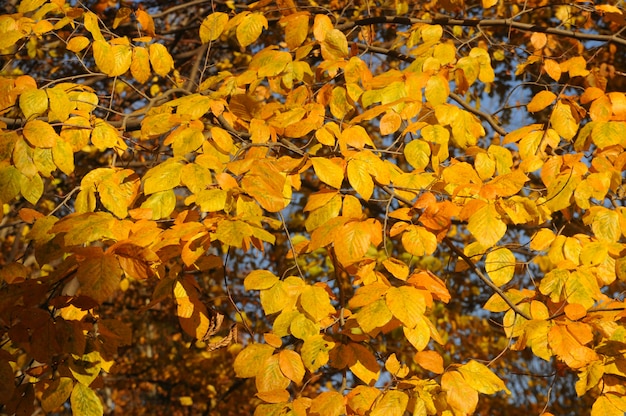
503,23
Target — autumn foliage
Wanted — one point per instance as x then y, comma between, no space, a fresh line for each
300,208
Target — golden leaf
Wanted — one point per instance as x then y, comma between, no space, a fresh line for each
500,265
250,28
541,101
160,59
460,395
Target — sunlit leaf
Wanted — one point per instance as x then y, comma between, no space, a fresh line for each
250,28
541,101
500,265
480,378
249,362
160,59
85,401
486,226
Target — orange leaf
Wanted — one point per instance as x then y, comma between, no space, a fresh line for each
429,360
291,365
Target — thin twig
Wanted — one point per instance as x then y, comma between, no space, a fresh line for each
484,278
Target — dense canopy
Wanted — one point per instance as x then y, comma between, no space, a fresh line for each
312,208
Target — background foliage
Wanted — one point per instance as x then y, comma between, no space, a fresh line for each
291,207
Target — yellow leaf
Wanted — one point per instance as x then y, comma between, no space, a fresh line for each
162,177
605,224
315,301
339,104
321,26
407,304
360,178
366,367
362,398
353,240
536,333
113,60
296,28
582,287
140,65
321,215
85,401
390,123
374,315
489,3
368,294
500,265
122,16
250,28
397,268
33,103
104,136
538,40
329,171
291,365
31,188
334,45
328,403
249,362
351,207
589,377
419,336
552,68
161,204
91,24
541,101
460,395
60,105
315,352
609,404
568,348
270,377
57,393
437,90
486,226
259,280
431,33
160,59
300,327
561,190
265,184
357,137
563,121
29,5
417,153
609,133
40,134
419,241
480,378
393,403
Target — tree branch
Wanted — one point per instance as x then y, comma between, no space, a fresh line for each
484,278
478,113
505,23
466,259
